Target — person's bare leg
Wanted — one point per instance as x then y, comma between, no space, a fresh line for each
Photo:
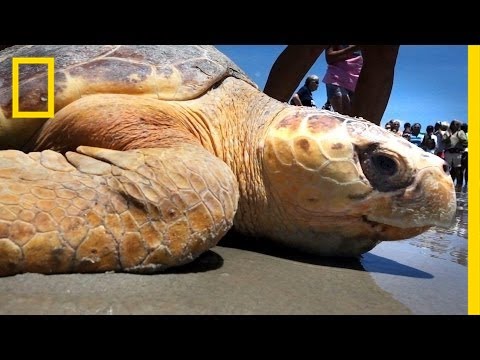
346,105
337,103
375,82
289,69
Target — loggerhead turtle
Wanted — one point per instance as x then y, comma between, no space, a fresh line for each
154,153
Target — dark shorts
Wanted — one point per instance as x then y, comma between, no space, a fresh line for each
335,90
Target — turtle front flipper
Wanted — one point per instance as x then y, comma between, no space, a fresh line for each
99,210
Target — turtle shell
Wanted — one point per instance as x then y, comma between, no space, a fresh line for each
176,72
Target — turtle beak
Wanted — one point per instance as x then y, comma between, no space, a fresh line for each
429,201
433,193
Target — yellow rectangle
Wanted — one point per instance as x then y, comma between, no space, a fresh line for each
50,62
473,179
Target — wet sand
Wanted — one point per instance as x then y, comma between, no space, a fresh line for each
423,275
223,281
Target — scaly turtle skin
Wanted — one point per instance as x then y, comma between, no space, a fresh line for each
156,151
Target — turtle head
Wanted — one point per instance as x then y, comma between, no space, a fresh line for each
340,185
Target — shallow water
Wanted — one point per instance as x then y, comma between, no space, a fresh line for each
448,244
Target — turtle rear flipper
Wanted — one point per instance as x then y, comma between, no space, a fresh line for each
101,210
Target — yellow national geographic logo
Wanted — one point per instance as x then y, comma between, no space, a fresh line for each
16,62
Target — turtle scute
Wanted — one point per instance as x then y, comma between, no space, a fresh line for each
100,210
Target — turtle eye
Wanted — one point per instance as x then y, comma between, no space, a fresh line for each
384,165
384,171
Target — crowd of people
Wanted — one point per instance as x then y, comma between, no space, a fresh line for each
450,142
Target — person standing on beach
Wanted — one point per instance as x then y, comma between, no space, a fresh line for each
464,162
416,137
439,131
303,97
456,142
407,131
344,65
429,141
396,127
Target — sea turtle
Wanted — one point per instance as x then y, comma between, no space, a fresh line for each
154,153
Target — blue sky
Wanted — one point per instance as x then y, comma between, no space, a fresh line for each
430,80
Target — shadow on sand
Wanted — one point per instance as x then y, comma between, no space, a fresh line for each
379,264
367,262
208,261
